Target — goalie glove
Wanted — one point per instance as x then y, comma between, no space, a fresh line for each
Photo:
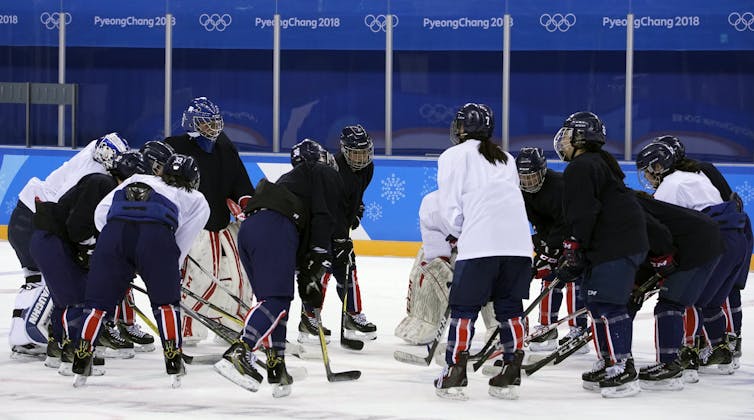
311,277
237,208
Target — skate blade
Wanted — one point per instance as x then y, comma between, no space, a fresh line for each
548,345
109,353
456,393
591,386
736,362
229,372
65,369
27,356
491,370
622,391
306,338
670,384
79,381
175,381
144,348
721,369
690,376
504,393
355,335
280,391
52,362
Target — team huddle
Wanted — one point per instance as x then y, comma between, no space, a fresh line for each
110,213
475,234
215,253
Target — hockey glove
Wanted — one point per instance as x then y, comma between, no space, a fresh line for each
237,209
663,265
452,240
573,260
311,276
359,215
342,250
546,261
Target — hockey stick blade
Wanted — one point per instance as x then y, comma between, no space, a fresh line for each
351,344
409,358
558,355
579,343
349,375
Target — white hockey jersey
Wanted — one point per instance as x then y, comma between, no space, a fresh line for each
62,179
193,210
481,204
433,240
688,189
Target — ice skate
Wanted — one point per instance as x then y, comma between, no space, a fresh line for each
734,344
54,351
112,344
358,328
308,332
505,384
277,374
143,341
574,333
173,363
546,342
717,360
662,376
82,363
689,359
237,366
453,381
590,380
621,380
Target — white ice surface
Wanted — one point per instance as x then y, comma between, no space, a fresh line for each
139,388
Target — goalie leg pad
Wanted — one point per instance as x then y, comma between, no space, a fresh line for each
31,313
428,303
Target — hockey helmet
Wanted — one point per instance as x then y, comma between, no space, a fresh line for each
107,147
156,154
532,167
579,129
357,147
181,171
472,121
203,116
653,163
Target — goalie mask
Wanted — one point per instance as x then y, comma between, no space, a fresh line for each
357,147
472,121
579,130
654,162
532,167
107,148
203,118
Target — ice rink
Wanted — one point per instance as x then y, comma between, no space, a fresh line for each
139,387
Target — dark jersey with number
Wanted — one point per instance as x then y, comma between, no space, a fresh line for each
222,176
544,210
354,185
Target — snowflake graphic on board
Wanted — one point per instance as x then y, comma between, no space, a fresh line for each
373,211
746,191
429,182
393,188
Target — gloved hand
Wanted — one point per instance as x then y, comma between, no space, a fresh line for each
452,240
310,277
546,261
359,215
663,265
573,259
84,252
237,209
342,250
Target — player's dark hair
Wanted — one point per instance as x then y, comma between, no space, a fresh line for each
609,159
492,152
687,165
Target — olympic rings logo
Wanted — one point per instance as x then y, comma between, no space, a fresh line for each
741,21
377,23
52,20
436,113
215,22
557,22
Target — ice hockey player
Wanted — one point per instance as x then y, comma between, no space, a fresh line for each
146,223
686,186
62,242
354,162
224,180
542,189
28,332
598,209
684,268
732,307
482,212
289,227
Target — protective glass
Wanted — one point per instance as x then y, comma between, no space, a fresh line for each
562,143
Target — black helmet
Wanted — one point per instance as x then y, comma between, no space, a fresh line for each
532,167
181,171
156,154
472,121
654,162
679,150
578,130
307,151
357,146
128,163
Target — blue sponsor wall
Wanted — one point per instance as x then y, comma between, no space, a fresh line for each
693,68
392,200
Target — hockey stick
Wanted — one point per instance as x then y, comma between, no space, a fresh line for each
489,347
219,284
347,342
560,354
212,306
350,375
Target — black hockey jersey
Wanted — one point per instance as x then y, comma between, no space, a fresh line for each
601,211
694,236
717,179
544,210
72,217
222,176
354,185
